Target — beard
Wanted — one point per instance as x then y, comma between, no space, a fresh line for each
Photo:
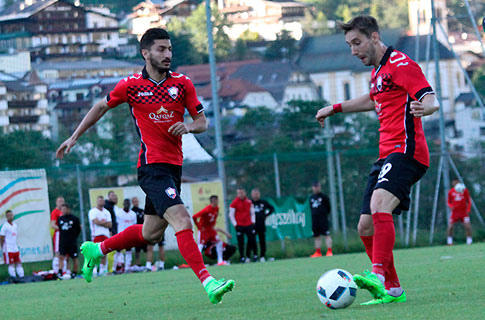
158,66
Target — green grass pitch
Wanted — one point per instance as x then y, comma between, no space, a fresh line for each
440,282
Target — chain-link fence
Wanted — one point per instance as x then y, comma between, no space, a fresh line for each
293,174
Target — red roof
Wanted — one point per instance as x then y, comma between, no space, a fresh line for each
234,89
200,73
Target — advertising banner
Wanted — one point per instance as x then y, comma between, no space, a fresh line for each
24,192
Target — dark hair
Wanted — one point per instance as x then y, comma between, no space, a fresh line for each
66,205
100,197
213,197
365,24
8,211
151,35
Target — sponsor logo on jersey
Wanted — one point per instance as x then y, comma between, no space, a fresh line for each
162,109
379,83
173,92
171,192
161,115
145,94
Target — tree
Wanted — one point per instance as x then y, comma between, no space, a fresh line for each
196,26
25,150
283,48
478,80
315,23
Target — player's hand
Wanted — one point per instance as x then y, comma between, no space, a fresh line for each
179,129
324,113
417,109
65,148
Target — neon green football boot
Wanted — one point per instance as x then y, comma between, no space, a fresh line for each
371,282
217,288
387,299
92,257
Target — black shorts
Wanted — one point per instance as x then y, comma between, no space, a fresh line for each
68,249
397,173
139,249
320,225
161,183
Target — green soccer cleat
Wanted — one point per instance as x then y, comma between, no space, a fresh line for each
387,299
92,257
371,282
217,288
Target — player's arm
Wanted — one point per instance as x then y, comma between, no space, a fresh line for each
93,116
227,234
232,216
54,225
199,125
253,214
359,104
270,209
2,240
426,107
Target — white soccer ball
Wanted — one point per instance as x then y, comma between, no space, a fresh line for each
336,289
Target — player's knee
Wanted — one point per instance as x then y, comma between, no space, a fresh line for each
152,237
364,229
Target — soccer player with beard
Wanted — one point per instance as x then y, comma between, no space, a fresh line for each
157,98
400,95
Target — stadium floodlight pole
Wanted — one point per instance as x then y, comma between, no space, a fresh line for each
276,175
331,175
81,202
216,110
444,151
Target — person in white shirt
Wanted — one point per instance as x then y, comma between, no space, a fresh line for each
8,241
125,218
100,222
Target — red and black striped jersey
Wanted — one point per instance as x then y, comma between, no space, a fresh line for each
394,84
155,107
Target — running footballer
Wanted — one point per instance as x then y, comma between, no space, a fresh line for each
400,95
158,99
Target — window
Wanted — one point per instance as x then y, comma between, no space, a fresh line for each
482,131
346,91
320,91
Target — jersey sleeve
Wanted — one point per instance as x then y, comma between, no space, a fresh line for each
233,204
91,215
118,95
192,103
3,230
408,75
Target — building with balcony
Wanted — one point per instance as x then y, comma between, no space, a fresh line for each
23,104
51,29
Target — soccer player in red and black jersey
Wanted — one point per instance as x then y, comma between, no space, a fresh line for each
460,203
400,95
157,99
208,237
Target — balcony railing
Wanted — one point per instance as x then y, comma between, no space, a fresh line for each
22,104
23,119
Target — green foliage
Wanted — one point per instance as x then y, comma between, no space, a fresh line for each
240,49
25,150
250,36
479,80
315,23
389,13
196,27
283,48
